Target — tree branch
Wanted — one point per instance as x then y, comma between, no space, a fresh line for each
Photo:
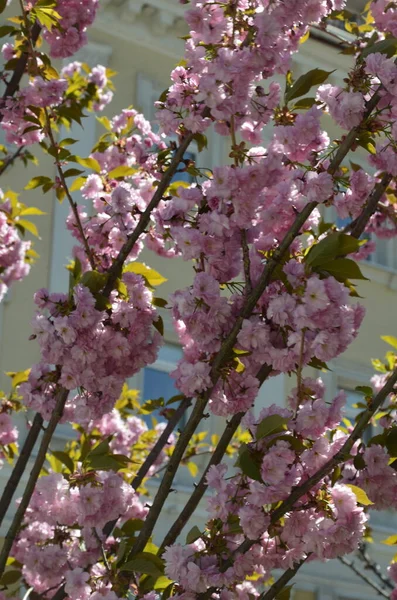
20,466
357,227
154,453
116,268
371,565
72,203
34,475
341,456
282,581
19,71
246,261
216,458
8,160
362,576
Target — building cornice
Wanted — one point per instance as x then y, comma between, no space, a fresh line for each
153,24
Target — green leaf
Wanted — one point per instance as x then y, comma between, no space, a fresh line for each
147,563
67,142
3,4
77,184
120,172
94,280
47,17
160,302
247,463
361,496
303,84
269,425
32,211
304,104
285,593
72,172
105,122
364,389
65,459
193,535
10,577
240,366
318,364
390,541
342,269
389,339
162,583
29,226
18,377
89,163
159,325
6,29
153,277
388,47
38,182
201,141
333,245
391,441
193,468
131,526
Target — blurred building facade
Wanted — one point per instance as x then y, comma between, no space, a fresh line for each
141,41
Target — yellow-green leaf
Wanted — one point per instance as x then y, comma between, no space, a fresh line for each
153,277
305,37
390,541
32,211
193,468
361,496
19,377
89,163
122,171
77,184
29,226
389,339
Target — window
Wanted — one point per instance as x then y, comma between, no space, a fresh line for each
147,93
353,398
157,382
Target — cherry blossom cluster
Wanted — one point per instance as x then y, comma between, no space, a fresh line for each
70,34
20,122
8,431
63,526
129,431
325,523
114,206
87,349
63,529
13,263
228,55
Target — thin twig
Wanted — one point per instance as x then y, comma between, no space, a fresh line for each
371,565
246,261
103,553
154,453
9,160
340,457
357,227
72,203
368,580
201,488
20,465
34,475
19,71
116,268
